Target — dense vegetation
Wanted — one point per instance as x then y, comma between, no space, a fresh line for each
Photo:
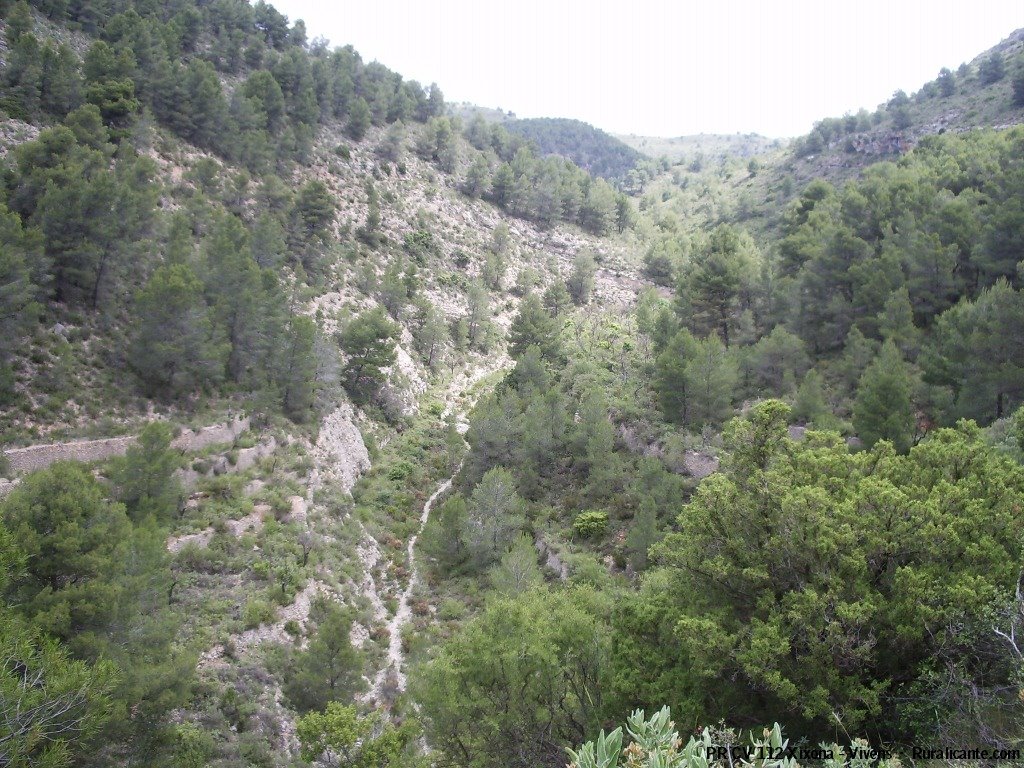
588,147
780,481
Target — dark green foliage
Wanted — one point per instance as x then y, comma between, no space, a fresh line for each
785,559
992,68
358,118
40,80
695,380
580,282
18,307
977,350
556,298
809,405
296,377
947,82
495,517
883,408
445,537
89,213
175,349
534,327
432,337
51,706
930,225
311,220
145,478
329,669
437,144
1018,83
98,584
370,232
643,534
368,342
518,682
77,544
593,150
715,287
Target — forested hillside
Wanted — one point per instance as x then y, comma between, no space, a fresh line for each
987,92
590,148
339,429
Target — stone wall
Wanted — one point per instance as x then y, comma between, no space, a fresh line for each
35,457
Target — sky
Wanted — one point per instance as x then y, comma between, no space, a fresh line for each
667,68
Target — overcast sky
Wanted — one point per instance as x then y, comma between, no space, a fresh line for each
667,68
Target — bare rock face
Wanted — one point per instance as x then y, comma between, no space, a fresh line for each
340,452
699,465
190,440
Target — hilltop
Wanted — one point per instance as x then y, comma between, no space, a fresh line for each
977,94
588,147
596,151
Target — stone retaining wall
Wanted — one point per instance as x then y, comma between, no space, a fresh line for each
41,456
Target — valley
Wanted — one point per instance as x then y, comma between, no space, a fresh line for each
345,426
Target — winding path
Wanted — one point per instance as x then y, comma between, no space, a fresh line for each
396,656
395,660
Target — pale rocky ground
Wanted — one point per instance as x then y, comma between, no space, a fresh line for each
339,452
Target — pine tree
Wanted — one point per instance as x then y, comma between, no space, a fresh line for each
234,294
581,280
896,323
495,517
174,350
77,544
358,119
297,372
598,211
533,326
145,476
670,380
18,306
883,409
713,287
268,241
518,571
992,69
711,379
1018,83
809,405
444,538
368,342
329,669
556,298
947,83
642,534
432,337
478,178
370,232
479,314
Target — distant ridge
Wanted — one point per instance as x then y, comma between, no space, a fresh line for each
590,148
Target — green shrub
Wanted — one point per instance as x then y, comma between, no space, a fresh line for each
257,612
193,746
591,524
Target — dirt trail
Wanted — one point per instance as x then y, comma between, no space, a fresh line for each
392,674
396,657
